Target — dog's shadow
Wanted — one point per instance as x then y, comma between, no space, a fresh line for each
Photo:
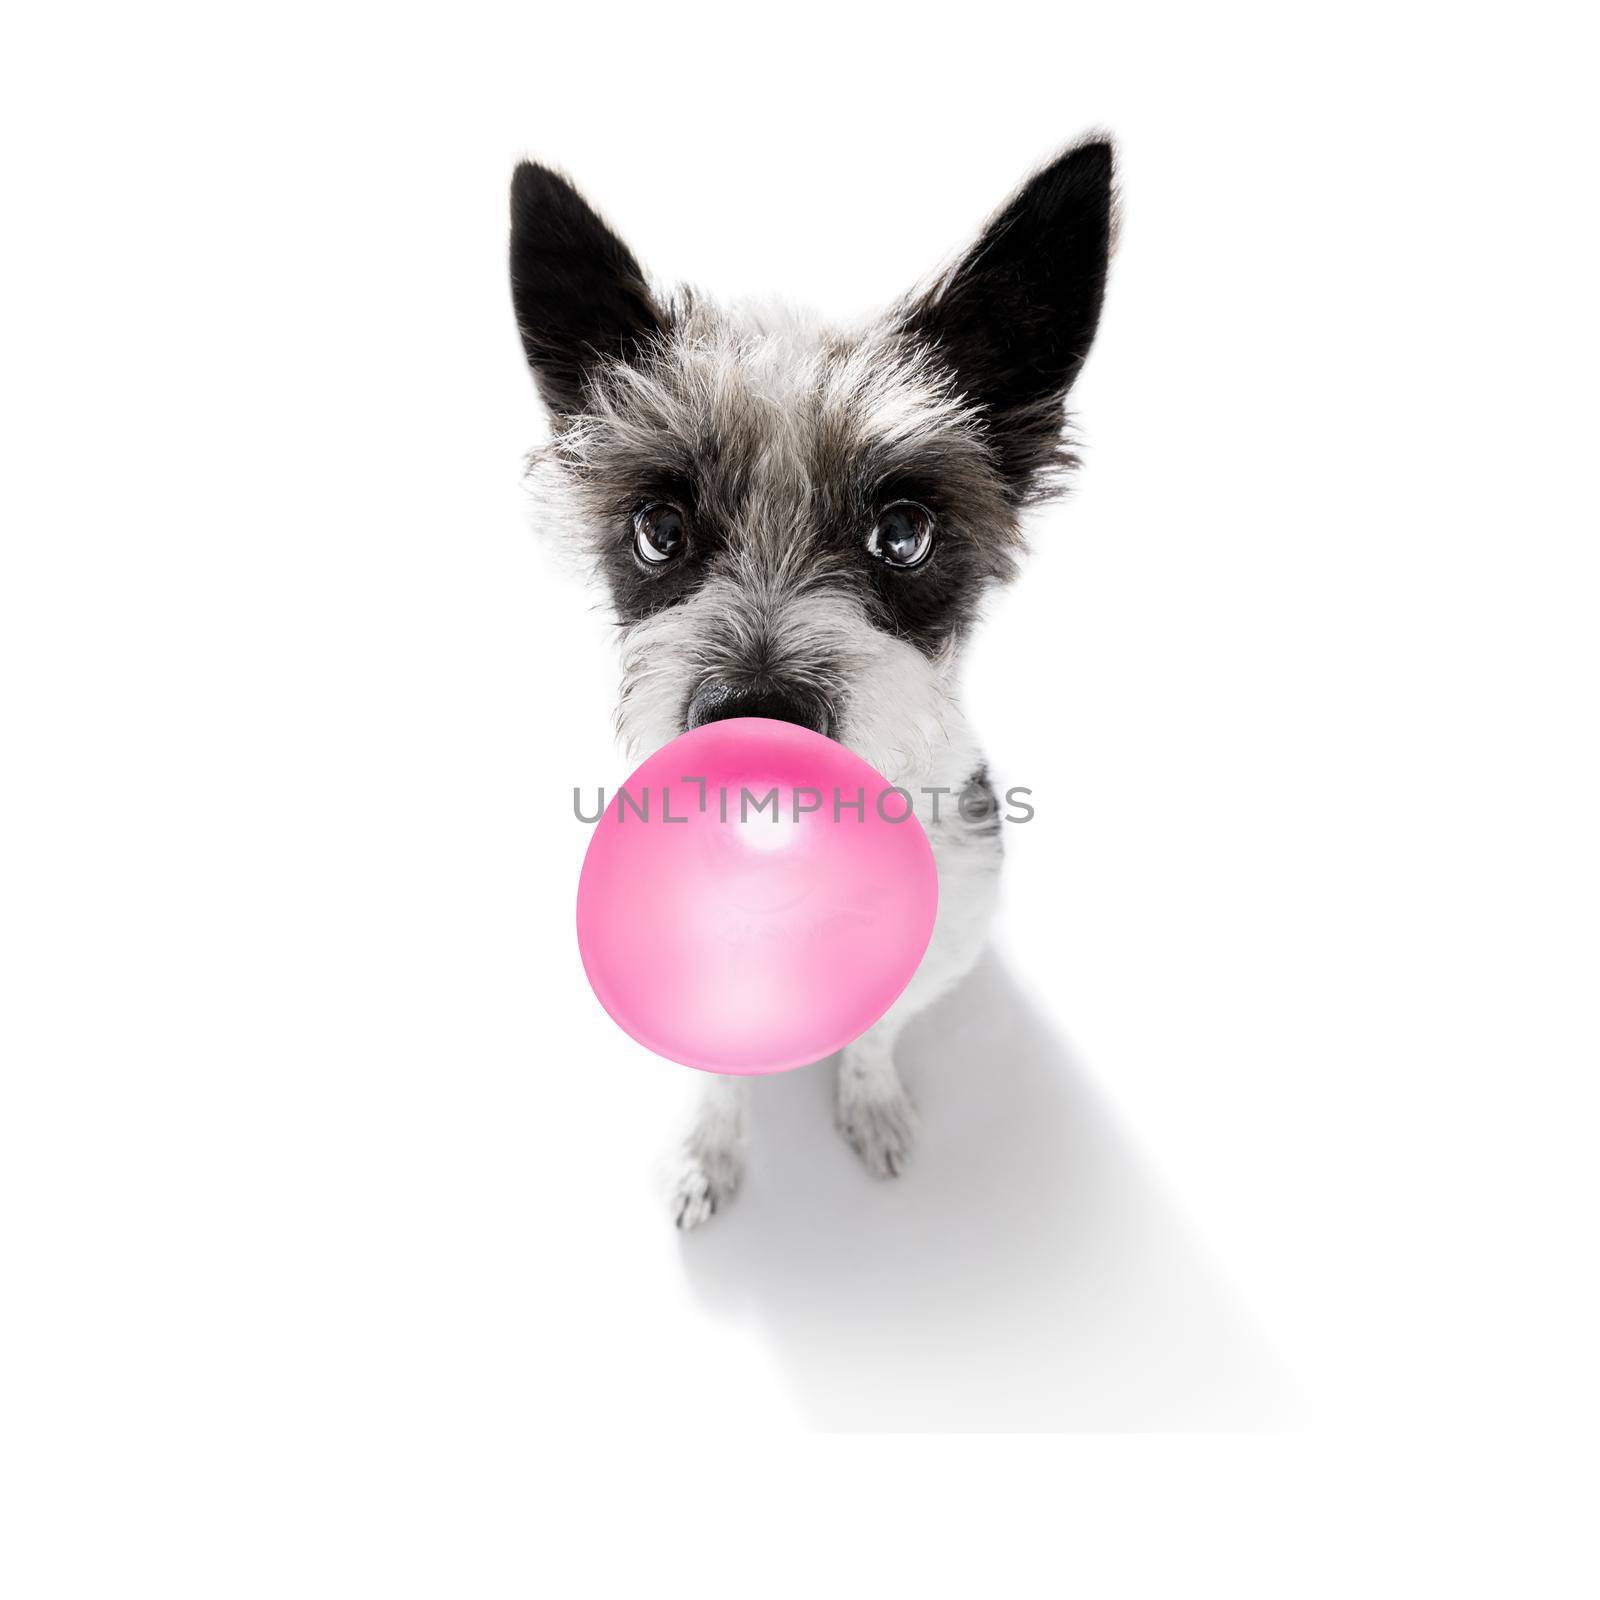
1023,1274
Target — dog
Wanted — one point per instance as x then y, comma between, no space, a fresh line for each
800,522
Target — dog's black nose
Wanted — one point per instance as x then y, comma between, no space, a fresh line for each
716,702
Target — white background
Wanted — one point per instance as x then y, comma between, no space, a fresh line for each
333,1261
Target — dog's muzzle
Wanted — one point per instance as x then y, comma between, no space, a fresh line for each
716,702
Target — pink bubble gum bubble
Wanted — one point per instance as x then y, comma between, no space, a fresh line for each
742,937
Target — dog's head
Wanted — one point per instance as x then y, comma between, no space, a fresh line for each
793,521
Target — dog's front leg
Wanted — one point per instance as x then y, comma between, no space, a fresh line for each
871,1105
711,1159
872,1108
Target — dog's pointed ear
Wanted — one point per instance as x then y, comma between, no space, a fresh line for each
580,295
1014,318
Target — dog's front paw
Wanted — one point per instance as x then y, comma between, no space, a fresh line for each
880,1128
699,1186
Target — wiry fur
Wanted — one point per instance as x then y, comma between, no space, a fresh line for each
783,440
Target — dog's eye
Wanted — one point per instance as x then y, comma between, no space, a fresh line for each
902,535
660,532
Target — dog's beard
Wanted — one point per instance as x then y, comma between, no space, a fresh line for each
890,703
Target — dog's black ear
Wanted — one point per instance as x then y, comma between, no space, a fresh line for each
579,294
1015,317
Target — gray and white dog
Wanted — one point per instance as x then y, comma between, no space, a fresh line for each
799,522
